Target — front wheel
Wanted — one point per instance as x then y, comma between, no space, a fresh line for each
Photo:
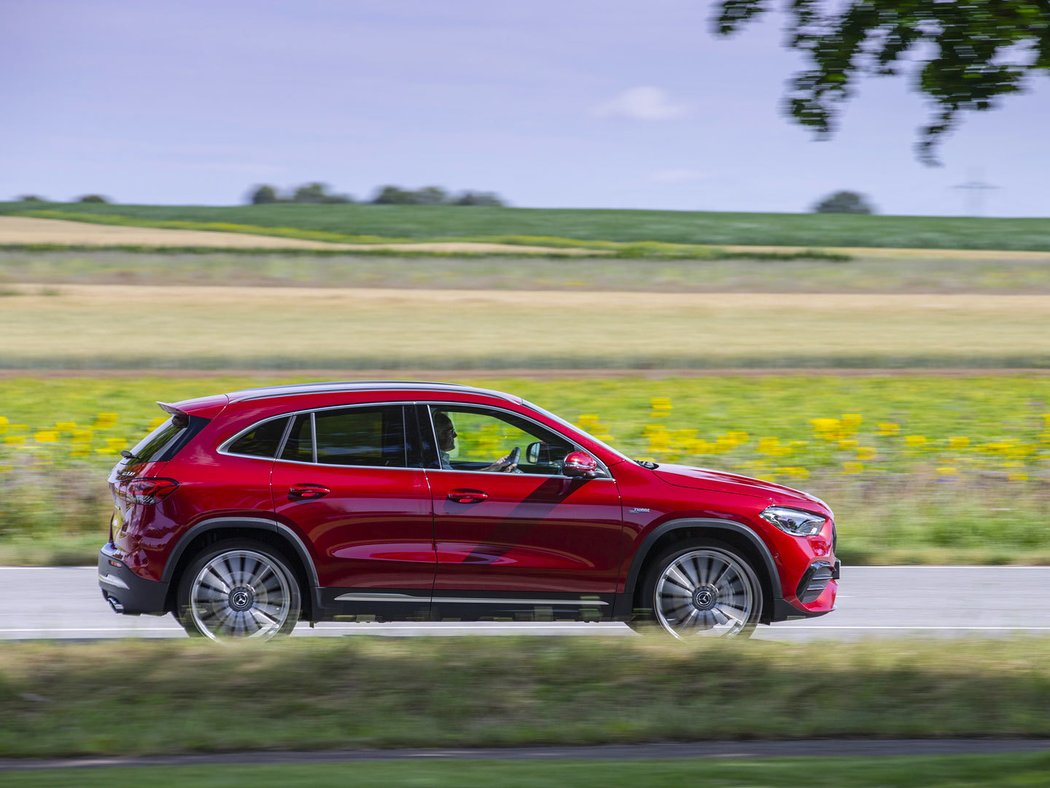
238,589
705,589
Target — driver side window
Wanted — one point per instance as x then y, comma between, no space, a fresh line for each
476,439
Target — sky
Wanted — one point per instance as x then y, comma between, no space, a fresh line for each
575,103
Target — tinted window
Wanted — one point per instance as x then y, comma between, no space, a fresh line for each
300,445
167,439
362,436
261,441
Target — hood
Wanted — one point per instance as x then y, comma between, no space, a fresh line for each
719,481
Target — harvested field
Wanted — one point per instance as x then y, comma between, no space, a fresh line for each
90,326
18,230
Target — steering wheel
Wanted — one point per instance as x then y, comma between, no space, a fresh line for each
512,458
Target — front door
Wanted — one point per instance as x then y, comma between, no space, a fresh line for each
517,541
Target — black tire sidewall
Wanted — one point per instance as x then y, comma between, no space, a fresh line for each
185,583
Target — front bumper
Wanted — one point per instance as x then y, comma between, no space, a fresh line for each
125,591
815,594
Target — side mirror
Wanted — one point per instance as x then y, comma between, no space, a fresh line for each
580,465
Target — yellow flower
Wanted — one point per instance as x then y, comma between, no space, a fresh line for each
3,423
915,441
587,421
14,440
661,406
848,443
65,426
851,467
794,472
866,453
947,470
82,435
851,421
1017,476
105,420
889,428
45,436
826,428
958,442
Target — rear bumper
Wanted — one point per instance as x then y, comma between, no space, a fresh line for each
125,591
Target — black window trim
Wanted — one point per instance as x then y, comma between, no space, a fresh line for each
430,404
291,416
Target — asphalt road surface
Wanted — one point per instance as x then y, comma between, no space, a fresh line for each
951,601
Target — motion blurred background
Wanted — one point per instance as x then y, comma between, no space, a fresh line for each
705,234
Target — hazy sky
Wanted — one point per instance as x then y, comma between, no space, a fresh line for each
576,103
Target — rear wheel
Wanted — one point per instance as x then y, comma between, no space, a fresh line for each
702,589
238,589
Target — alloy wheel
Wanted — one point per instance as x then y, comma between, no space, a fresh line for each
706,593
241,594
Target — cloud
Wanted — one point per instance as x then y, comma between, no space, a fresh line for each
678,176
642,103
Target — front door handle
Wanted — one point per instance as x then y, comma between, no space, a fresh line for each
467,496
307,492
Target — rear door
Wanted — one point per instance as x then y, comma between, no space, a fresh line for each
350,482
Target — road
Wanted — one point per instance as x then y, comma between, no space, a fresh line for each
65,604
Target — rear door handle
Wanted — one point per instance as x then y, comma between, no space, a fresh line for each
467,496
307,492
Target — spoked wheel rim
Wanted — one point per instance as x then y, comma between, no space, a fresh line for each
240,594
704,593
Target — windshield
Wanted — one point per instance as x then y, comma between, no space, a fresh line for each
574,428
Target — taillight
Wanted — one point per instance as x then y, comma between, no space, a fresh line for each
149,491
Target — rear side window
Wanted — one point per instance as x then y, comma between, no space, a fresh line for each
261,441
165,441
362,436
300,444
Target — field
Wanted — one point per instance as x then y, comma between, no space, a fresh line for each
891,272
360,692
527,225
944,771
87,326
918,468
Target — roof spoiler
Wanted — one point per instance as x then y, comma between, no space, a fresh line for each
181,417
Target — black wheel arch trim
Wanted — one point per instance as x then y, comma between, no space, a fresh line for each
625,601
246,523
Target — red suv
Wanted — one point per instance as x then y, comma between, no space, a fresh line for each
245,513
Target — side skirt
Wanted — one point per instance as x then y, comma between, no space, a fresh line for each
384,604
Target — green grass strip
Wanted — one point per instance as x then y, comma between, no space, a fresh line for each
140,697
1002,770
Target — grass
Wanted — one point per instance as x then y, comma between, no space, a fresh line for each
87,326
1022,769
396,271
188,696
546,226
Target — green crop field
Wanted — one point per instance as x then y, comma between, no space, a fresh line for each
918,469
379,222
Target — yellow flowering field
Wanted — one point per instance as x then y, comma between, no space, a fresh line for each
948,466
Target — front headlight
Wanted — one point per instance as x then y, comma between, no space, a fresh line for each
794,521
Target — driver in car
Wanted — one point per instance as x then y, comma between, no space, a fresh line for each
446,438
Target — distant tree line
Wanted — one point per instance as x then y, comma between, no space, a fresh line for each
844,202
320,193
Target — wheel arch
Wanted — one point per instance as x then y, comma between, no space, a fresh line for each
260,529
732,533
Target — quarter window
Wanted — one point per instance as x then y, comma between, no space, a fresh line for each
262,441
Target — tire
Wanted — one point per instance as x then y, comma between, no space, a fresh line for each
238,589
700,589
